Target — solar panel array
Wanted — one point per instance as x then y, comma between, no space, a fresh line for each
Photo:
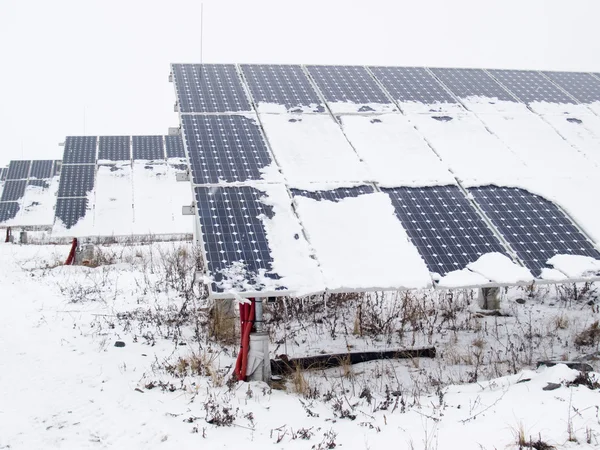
148,148
224,109
114,148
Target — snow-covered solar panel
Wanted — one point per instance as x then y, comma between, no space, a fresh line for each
530,86
57,167
18,170
583,86
148,148
80,150
225,148
533,226
465,83
76,180
334,195
350,89
209,88
281,88
13,190
71,210
114,148
39,183
8,211
42,169
235,239
412,85
174,147
444,226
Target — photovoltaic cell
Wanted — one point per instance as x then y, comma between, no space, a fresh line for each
174,147
114,148
18,170
348,84
444,226
233,233
334,195
80,150
71,210
583,86
282,85
76,180
534,227
42,169
3,171
39,183
13,190
8,211
412,84
148,148
466,83
224,148
209,88
530,86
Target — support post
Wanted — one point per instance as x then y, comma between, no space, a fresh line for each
489,298
259,363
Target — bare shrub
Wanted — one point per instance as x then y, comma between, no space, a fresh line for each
590,336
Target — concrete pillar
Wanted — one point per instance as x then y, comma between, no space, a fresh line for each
23,237
489,298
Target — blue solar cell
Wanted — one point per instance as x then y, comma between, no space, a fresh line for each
412,84
209,88
13,190
174,147
530,86
583,86
466,83
233,233
285,85
76,180
444,226
18,170
348,84
71,210
39,183
149,148
80,150
114,148
224,148
534,227
3,171
8,211
334,195
41,169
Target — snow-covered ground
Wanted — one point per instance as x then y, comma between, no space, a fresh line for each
64,383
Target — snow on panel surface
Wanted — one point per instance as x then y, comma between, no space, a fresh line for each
152,198
312,148
416,90
500,269
394,152
278,88
74,217
114,200
350,89
470,151
543,150
360,244
181,195
576,266
581,131
36,207
585,87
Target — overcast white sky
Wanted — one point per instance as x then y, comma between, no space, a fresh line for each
111,58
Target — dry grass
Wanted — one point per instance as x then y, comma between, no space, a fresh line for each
590,336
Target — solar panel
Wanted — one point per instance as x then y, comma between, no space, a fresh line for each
41,169
530,86
233,232
114,148
174,147
465,83
8,211
76,180
148,148
18,170
224,148
444,226
285,85
412,84
13,190
71,210
334,195
534,227
45,184
80,150
3,171
57,167
583,86
352,84
209,88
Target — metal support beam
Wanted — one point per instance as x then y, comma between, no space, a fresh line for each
259,362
